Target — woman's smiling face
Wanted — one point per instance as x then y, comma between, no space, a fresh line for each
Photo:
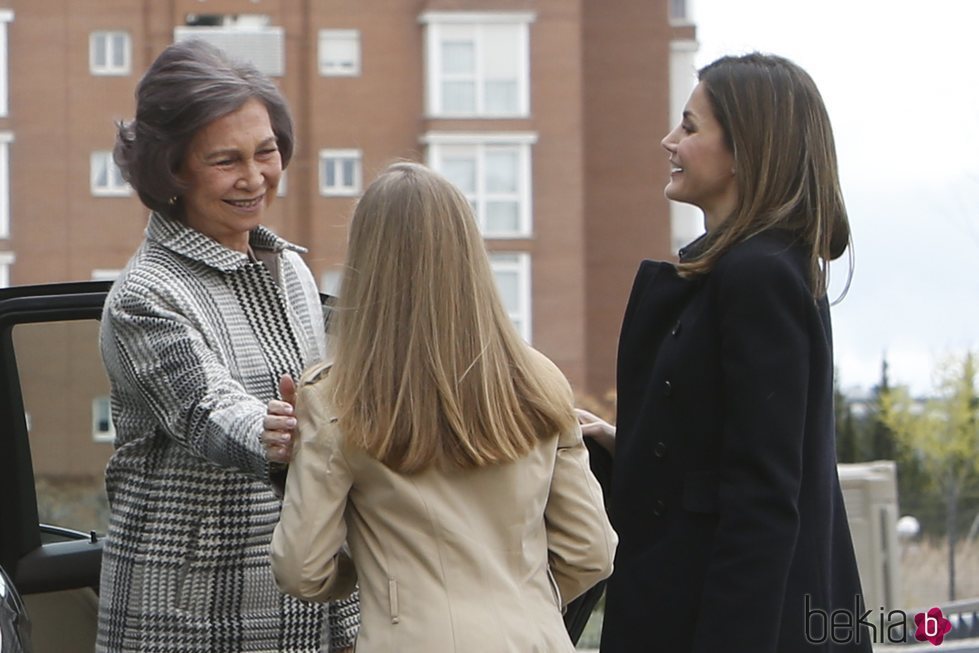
702,164
232,168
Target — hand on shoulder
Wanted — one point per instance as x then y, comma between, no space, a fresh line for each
595,427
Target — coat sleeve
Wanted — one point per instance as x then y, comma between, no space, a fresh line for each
153,350
308,560
764,306
580,540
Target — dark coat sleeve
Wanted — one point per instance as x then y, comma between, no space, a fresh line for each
765,312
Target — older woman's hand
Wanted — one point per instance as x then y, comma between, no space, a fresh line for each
279,423
596,428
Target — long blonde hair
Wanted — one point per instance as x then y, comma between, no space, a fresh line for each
428,367
777,127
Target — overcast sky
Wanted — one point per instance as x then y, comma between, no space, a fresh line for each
901,85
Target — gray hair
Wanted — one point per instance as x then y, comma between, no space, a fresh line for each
191,84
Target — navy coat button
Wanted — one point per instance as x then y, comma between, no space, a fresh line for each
659,450
667,388
677,328
659,508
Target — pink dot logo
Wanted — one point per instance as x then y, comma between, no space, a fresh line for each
932,627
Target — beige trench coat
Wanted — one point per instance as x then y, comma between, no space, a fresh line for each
470,561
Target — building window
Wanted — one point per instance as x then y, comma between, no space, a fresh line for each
249,37
106,178
340,172
493,171
6,260
109,53
331,280
6,16
512,274
339,52
678,11
102,427
478,64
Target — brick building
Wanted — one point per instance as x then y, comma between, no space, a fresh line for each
547,113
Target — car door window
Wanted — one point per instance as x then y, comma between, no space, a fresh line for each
65,393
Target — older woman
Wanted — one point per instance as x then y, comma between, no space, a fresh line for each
209,312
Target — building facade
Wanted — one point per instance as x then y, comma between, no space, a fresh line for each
547,113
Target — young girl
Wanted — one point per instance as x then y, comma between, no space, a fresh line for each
439,445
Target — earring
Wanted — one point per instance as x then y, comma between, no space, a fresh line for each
172,200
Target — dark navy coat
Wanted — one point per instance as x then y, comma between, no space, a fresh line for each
725,493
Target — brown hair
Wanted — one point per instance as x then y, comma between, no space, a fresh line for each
191,84
428,367
777,127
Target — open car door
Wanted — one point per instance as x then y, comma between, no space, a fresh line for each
55,438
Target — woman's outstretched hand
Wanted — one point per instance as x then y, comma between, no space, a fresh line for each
279,423
596,428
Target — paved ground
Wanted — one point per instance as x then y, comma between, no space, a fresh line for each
961,646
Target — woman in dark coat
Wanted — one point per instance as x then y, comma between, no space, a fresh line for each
725,494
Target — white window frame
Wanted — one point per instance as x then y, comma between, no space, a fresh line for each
99,435
97,159
6,138
339,156
6,260
521,142
105,274
435,24
521,266
336,67
6,16
105,38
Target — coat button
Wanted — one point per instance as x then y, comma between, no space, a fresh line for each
659,450
667,388
677,328
659,508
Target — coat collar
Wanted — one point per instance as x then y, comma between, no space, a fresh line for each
181,239
693,249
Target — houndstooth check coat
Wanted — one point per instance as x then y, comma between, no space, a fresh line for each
194,337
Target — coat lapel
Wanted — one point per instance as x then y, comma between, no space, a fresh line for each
658,296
